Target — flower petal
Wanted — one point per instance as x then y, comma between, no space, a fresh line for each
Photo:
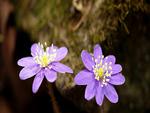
26,62
97,51
110,58
28,72
116,69
61,53
84,77
90,91
87,60
52,49
111,93
59,67
117,79
36,49
50,75
99,95
37,81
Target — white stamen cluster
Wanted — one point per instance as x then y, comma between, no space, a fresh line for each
102,70
44,57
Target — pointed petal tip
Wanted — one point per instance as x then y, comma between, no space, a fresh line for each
71,71
110,58
114,101
83,52
29,72
61,68
34,91
61,53
36,48
87,60
34,45
19,62
37,82
117,79
88,98
64,49
21,78
123,79
97,46
26,62
50,75
99,95
90,91
117,68
111,93
100,104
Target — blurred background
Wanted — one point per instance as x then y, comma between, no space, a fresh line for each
121,27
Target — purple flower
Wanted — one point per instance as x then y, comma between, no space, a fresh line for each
100,75
44,62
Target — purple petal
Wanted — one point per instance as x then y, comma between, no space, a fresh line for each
84,77
36,49
111,93
37,81
26,62
87,60
52,49
61,53
61,68
97,51
28,72
90,91
116,69
110,58
99,95
50,75
117,79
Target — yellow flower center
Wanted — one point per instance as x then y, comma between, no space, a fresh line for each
100,72
44,60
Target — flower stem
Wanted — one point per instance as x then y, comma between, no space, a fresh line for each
53,99
102,110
